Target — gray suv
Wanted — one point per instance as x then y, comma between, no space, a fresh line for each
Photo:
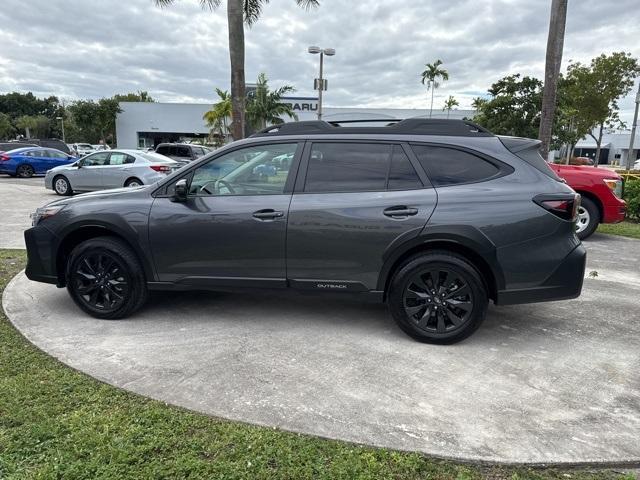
434,217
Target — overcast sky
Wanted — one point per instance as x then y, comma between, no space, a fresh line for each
95,48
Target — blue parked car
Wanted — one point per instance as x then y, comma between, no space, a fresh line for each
28,161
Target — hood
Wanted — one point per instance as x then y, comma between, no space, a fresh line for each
72,163
599,172
116,192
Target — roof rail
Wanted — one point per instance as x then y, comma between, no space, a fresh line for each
410,126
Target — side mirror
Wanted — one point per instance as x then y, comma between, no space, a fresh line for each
181,191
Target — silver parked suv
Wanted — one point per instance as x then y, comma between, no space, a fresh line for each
434,217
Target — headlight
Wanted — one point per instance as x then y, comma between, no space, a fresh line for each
44,212
615,185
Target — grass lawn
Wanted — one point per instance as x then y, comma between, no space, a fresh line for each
625,229
58,423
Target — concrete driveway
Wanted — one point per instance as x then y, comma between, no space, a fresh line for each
18,198
546,383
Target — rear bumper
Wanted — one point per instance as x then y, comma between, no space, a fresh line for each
564,283
41,261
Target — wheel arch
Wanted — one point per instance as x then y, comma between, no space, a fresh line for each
477,249
81,233
132,178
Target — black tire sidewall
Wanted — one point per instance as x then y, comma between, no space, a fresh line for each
132,180
451,261
138,292
27,168
594,218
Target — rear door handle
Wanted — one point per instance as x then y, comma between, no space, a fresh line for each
267,214
400,211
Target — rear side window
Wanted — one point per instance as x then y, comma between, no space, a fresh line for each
183,152
348,167
532,157
449,166
119,158
402,175
163,150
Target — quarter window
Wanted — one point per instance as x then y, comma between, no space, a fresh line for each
257,170
347,167
449,166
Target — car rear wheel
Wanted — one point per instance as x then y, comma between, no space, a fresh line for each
105,278
25,171
588,218
438,297
133,182
62,186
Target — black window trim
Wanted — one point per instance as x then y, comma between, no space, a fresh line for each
304,166
504,169
161,191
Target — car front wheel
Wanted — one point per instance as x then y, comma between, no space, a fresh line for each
62,186
105,278
438,297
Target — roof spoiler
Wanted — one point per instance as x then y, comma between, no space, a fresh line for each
518,144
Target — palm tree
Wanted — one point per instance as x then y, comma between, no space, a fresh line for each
555,44
238,13
430,76
449,103
265,106
477,103
216,118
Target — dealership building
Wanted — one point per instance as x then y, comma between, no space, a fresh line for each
146,124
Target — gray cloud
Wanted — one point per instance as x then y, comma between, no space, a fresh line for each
89,49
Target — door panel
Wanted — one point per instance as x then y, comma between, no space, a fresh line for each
343,236
89,175
218,237
231,230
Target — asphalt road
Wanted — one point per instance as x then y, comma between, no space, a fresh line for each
18,198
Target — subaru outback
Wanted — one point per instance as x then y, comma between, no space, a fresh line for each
434,217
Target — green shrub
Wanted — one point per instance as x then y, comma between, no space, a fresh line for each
632,196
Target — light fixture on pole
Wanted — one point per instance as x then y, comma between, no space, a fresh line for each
62,120
633,130
320,84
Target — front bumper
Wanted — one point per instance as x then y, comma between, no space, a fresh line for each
41,260
614,211
564,283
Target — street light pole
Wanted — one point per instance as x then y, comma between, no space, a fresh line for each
320,84
62,120
633,129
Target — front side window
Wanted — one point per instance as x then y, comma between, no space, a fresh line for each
95,160
348,167
247,171
449,166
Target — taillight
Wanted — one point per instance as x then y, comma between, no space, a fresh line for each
615,185
563,205
160,168
4,158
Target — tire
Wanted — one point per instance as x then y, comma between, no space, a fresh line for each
588,218
444,317
62,186
25,171
133,182
105,278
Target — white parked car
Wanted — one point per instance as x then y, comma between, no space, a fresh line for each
98,148
636,166
83,149
109,169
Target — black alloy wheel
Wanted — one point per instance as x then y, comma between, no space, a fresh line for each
25,171
438,297
438,300
105,278
100,279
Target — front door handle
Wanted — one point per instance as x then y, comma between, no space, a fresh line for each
400,211
267,214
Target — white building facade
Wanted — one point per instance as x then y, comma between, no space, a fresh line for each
146,124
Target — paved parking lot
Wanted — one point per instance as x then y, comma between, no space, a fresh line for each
542,383
18,198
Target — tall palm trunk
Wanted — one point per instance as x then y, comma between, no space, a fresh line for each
236,53
431,109
555,44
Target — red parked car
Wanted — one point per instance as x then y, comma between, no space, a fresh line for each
601,191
